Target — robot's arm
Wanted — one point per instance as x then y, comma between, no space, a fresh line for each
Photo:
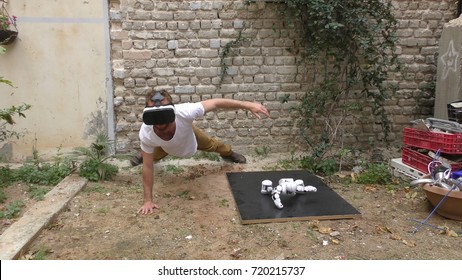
301,188
276,196
266,187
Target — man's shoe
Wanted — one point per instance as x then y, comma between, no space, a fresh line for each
136,160
236,158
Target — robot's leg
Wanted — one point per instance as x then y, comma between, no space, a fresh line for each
277,200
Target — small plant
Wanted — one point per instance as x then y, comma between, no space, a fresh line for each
2,196
375,173
287,163
207,155
184,194
40,254
325,166
95,188
12,210
262,151
36,174
7,114
95,170
7,119
37,192
174,169
104,210
224,203
6,177
94,166
42,173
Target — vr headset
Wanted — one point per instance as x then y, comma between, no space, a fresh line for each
158,114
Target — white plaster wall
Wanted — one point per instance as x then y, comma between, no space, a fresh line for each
59,66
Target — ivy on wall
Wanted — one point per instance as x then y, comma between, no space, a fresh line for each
352,45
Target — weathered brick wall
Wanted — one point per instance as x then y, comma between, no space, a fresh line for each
176,45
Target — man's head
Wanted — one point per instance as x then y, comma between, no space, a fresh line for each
159,108
150,97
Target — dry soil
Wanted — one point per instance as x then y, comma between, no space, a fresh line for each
198,220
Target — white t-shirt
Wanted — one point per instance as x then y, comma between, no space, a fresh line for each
183,143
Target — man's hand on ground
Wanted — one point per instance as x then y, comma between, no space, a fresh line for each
148,208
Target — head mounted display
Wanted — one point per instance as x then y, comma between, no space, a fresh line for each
158,114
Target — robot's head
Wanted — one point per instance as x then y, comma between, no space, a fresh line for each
158,114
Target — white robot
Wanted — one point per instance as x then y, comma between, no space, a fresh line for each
287,186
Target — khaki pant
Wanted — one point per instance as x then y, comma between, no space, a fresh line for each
204,143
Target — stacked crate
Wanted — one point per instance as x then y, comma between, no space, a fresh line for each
418,143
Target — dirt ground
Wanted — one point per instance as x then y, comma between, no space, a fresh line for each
198,220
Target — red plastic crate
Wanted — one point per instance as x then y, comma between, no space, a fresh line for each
420,161
445,142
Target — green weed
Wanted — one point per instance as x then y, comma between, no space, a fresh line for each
184,195
42,173
375,173
40,255
37,192
2,196
262,151
325,166
173,169
207,155
6,177
94,166
12,210
224,203
95,188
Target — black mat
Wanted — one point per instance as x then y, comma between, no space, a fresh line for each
254,207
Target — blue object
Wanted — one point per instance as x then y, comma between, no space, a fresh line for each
456,174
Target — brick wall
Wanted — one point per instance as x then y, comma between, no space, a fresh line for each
176,45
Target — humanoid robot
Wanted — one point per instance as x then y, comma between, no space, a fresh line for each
287,186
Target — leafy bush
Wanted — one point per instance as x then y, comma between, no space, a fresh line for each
37,192
12,210
42,173
2,196
326,166
7,114
94,167
6,177
375,173
95,170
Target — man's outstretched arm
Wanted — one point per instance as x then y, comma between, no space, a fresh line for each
223,103
148,181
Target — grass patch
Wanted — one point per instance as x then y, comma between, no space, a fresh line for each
12,210
95,188
38,192
174,169
206,155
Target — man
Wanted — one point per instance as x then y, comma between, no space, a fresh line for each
168,129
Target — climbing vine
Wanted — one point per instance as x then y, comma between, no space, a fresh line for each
226,52
351,45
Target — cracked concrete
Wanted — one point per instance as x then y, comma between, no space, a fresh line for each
20,234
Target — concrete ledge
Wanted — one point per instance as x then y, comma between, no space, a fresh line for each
20,234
